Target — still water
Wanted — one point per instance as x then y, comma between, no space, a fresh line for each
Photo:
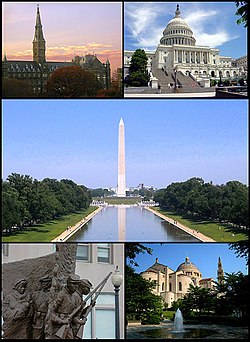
129,224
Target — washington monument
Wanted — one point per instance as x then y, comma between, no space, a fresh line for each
121,190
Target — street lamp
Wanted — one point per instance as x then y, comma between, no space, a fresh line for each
175,71
116,280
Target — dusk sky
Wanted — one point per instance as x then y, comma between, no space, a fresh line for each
165,140
213,24
69,28
203,255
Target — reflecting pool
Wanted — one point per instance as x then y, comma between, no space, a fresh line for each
133,224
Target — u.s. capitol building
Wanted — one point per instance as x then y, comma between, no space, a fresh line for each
177,53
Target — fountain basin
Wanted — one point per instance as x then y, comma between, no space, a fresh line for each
168,333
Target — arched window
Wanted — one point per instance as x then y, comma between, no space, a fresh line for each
180,286
162,286
170,287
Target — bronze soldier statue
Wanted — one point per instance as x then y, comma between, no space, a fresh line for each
17,312
63,307
40,302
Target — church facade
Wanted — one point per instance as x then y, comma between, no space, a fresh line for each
38,71
172,285
177,55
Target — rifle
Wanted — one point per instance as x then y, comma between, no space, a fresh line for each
62,332
89,308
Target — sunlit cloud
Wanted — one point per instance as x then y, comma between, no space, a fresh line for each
141,19
198,22
145,32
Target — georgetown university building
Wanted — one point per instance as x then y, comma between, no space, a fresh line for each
38,71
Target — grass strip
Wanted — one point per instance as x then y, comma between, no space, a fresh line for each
219,232
45,232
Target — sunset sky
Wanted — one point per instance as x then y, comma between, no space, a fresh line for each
69,29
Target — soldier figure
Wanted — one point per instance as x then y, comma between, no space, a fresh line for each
64,304
17,311
40,303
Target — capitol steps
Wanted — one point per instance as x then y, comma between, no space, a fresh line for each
186,81
165,78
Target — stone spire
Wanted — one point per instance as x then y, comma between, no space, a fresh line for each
38,41
220,272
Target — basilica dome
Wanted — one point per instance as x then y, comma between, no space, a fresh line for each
189,268
177,32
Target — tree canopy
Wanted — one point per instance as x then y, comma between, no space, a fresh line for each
72,82
242,11
141,303
27,201
12,87
227,202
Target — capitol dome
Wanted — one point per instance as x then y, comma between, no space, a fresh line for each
189,268
177,32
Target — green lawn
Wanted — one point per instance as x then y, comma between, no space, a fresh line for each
119,200
215,230
168,314
47,231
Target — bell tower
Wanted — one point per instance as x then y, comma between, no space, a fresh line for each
38,41
220,272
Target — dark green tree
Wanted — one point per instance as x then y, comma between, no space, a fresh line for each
138,74
242,11
141,303
241,249
233,294
132,249
201,300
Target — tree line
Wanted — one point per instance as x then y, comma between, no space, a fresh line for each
27,201
67,82
226,203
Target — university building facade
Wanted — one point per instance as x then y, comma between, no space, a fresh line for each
38,71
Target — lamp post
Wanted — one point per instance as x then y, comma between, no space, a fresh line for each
116,280
175,70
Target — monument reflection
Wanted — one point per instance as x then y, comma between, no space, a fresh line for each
121,214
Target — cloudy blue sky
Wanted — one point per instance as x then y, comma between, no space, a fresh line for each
173,254
213,24
166,140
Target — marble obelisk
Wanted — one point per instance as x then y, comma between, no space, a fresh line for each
121,190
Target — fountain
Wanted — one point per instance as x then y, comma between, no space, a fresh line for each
178,322
167,330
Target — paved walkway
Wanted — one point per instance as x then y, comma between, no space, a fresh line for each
64,236
190,231
172,95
